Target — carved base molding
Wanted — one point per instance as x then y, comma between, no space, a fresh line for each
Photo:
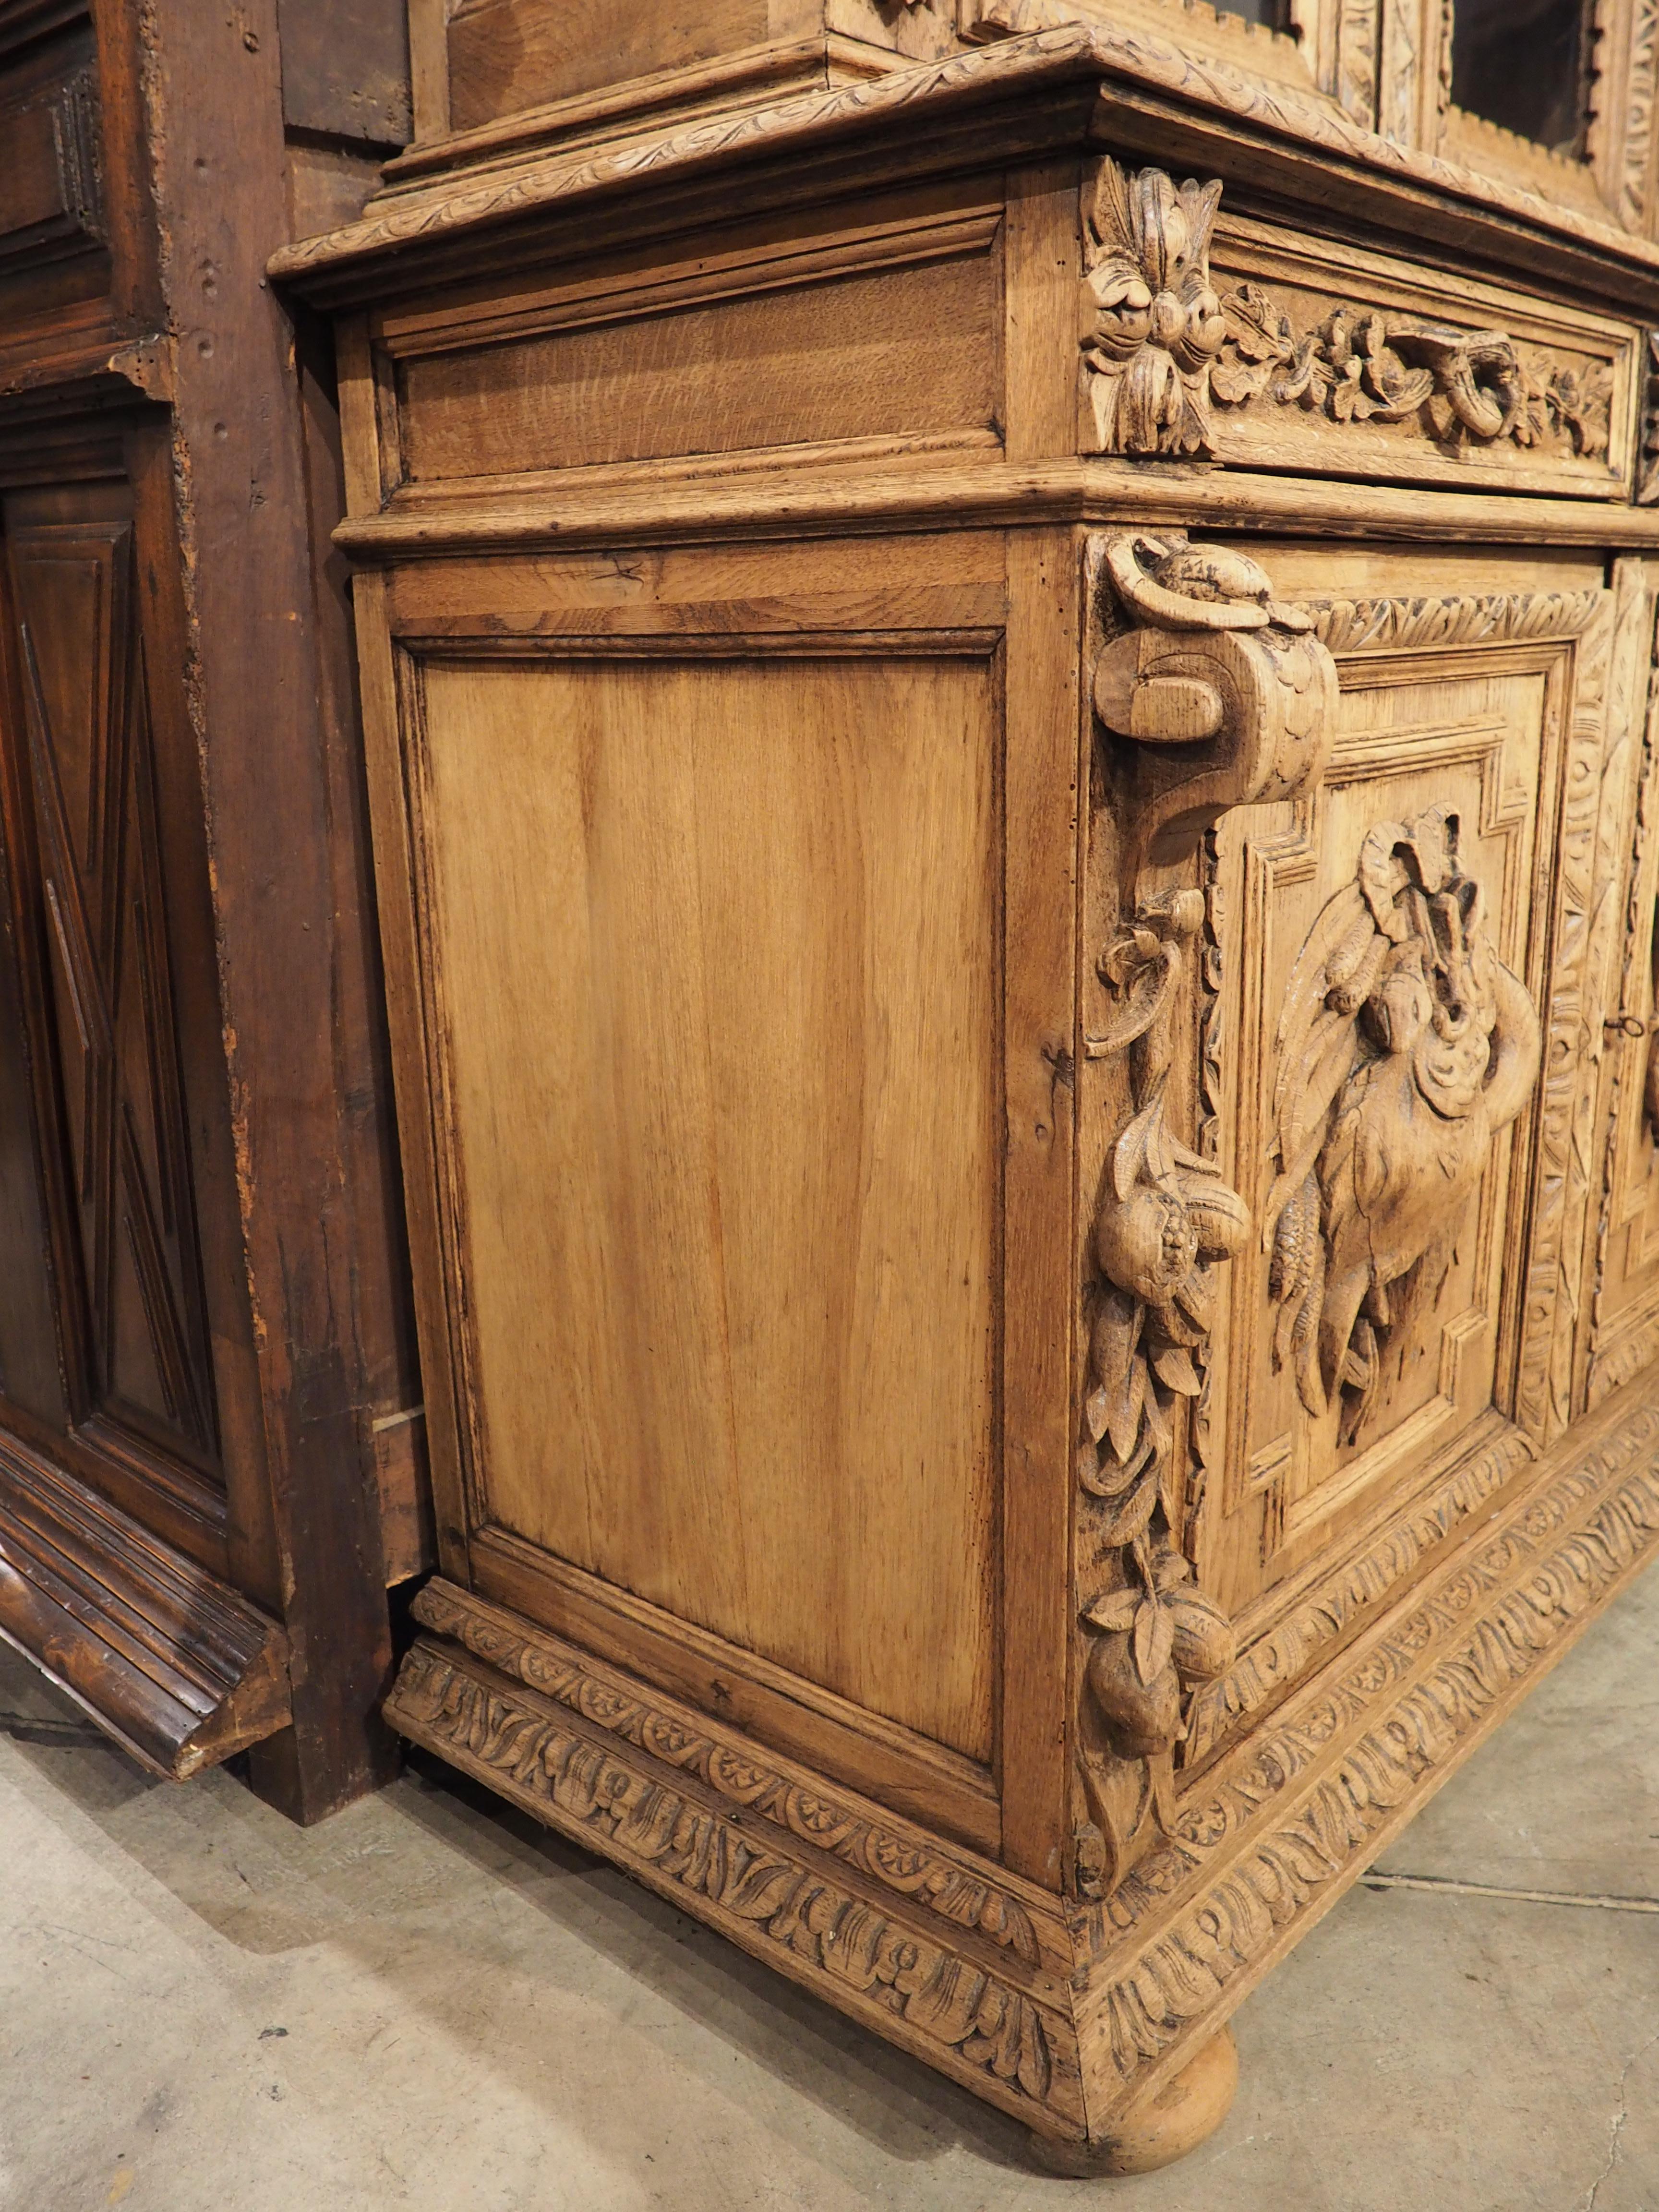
1070,2017
932,1948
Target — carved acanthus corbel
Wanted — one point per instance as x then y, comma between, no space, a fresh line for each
1150,324
1225,698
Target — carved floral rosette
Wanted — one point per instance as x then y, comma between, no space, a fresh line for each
1225,698
1150,324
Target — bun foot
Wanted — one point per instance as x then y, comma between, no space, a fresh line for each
1162,2128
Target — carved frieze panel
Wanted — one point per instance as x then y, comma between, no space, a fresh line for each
1341,359
1205,336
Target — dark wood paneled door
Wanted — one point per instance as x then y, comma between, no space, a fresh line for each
95,1013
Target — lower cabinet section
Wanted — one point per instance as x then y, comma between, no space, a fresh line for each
1000,1203
1018,923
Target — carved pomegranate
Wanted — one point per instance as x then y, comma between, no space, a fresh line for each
1142,1719
1205,1646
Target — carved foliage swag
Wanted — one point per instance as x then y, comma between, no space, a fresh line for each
1225,698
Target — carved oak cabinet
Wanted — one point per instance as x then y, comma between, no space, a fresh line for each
1007,656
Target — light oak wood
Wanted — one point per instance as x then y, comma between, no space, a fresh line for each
1011,790
767,896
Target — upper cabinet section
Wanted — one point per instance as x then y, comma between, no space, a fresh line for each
1554,97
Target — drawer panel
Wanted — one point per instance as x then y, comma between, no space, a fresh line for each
890,332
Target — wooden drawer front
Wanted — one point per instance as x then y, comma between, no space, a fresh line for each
1341,362
1401,1333
890,332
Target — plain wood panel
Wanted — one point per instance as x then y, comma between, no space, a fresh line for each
717,980
504,56
899,351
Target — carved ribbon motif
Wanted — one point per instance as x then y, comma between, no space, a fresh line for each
1227,699
1405,1046
1363,365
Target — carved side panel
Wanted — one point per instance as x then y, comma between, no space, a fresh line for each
85,851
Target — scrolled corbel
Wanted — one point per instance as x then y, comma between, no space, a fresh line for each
1226,698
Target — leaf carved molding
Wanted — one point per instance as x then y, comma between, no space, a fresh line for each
1225,698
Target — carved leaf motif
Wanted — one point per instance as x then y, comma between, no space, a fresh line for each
1131,1519
1114,1613
1154,1639
1174,1365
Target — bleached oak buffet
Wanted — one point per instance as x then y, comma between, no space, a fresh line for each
1006,660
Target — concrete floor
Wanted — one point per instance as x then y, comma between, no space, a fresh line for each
431,2003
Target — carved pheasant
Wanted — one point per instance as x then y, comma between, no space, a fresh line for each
1405,1047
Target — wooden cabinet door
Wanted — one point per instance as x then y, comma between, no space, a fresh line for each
1622,1263
1403,1027
90,993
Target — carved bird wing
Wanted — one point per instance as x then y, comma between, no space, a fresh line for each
1317,1048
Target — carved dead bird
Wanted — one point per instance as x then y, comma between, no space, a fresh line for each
1406,1046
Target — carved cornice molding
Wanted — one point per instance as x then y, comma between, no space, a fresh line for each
1366,364
913,1866
1311,1801
877,1962
1054,52
1235,697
